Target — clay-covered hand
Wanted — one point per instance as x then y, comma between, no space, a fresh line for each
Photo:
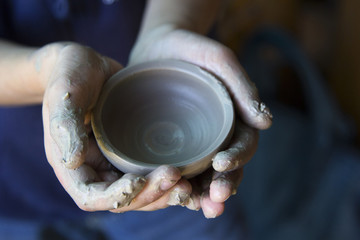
73,76
212,188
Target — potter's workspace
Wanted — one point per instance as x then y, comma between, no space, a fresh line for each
179,119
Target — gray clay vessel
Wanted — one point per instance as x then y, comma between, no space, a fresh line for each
163,112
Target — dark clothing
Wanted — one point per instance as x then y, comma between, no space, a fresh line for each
300,184
33,204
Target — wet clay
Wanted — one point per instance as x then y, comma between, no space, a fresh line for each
161,116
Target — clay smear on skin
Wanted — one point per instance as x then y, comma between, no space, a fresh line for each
69,133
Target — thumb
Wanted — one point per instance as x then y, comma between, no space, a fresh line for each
72,92
221,62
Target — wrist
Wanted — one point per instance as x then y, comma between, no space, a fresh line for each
17,79
24,72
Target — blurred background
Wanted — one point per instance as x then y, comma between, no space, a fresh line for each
327,31
304,56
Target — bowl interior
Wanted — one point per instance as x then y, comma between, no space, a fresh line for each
163,117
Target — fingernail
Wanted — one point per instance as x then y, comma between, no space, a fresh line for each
219,163
209,213
226,160
178,198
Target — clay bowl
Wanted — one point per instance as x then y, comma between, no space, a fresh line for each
162,112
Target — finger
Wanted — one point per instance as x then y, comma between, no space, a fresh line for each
95,196
72,92
240,151
158,183
197,190
211,209
194,202
90,194
200,184
223,63
224,185
177,196
96,160
68,131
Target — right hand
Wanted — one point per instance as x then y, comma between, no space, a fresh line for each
212,188
73,76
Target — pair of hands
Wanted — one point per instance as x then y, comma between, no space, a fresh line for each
74,75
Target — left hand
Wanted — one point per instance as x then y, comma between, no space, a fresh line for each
212,188
73,76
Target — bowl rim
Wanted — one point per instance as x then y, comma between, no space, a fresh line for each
124,162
